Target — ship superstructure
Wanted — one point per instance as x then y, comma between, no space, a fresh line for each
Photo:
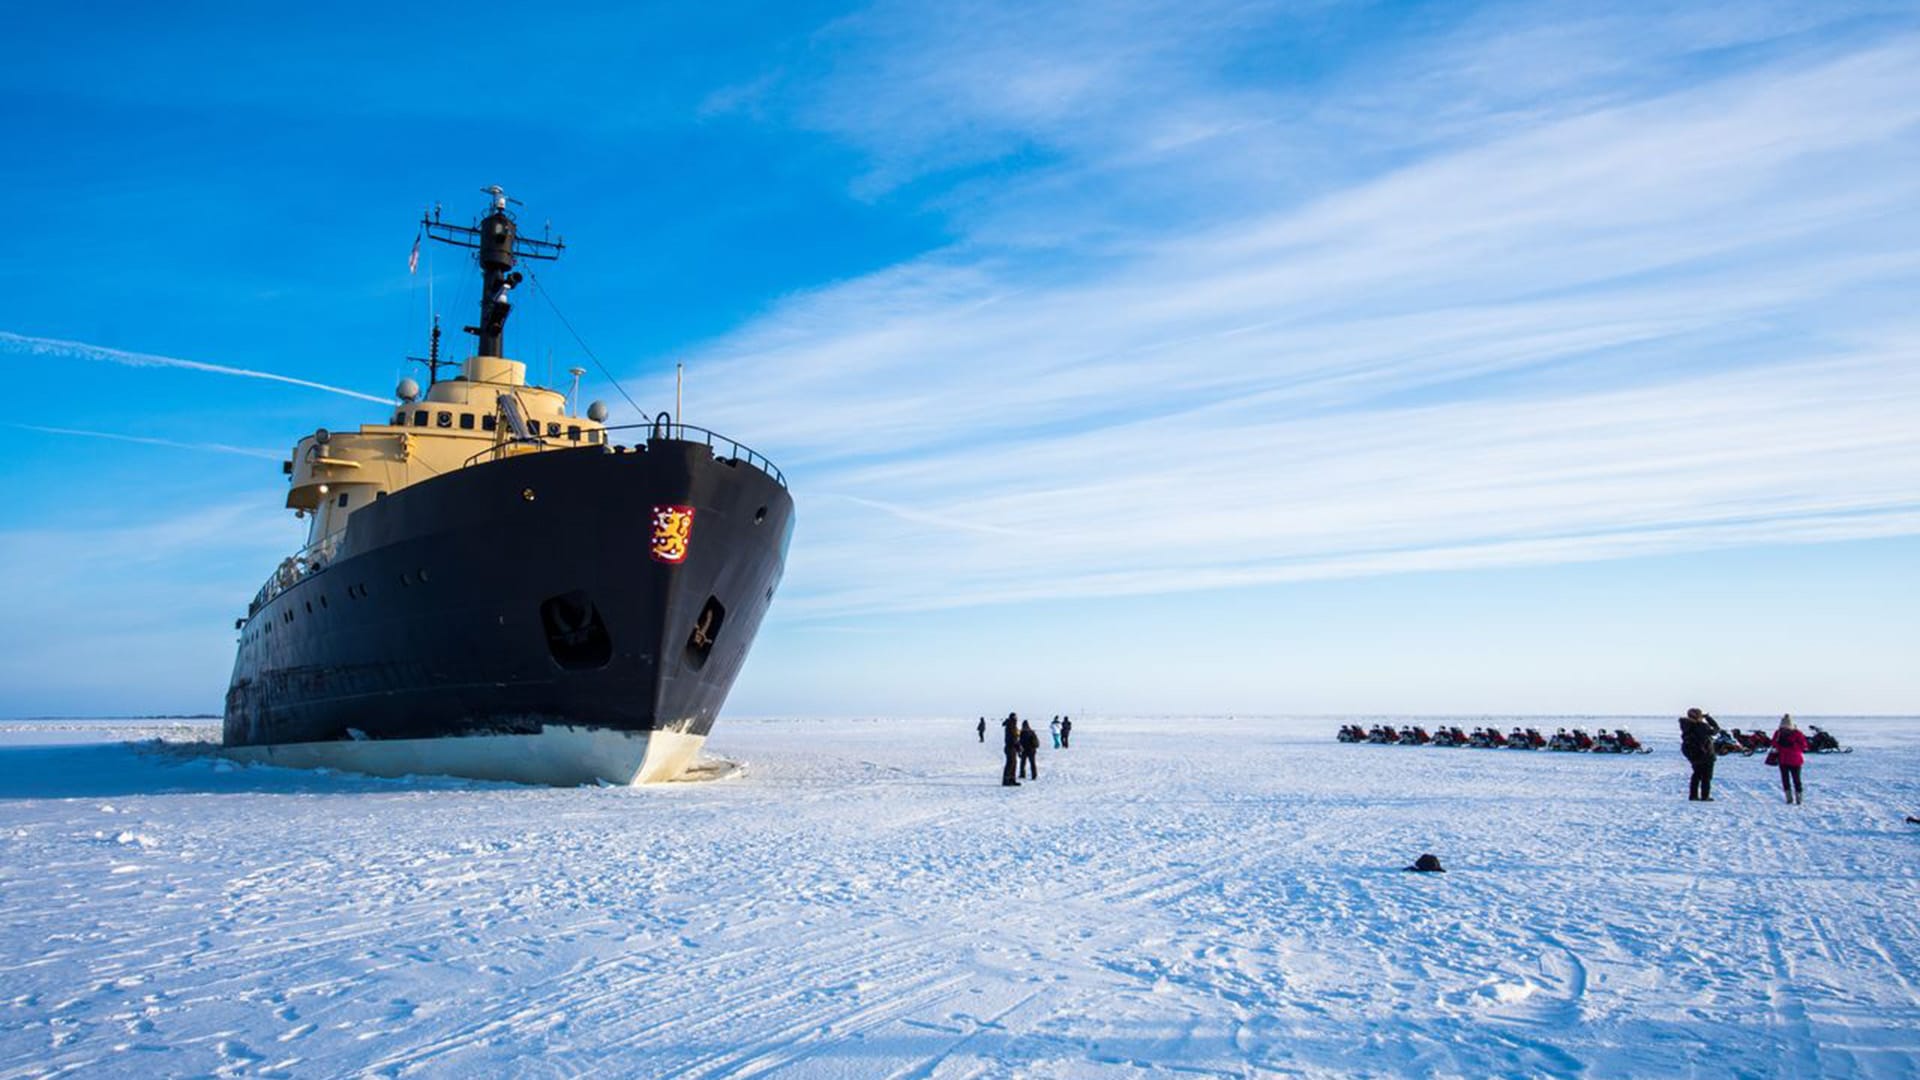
497,585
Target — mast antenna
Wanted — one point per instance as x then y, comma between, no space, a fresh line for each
497,240
432,359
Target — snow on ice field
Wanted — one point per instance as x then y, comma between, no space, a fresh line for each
1213,897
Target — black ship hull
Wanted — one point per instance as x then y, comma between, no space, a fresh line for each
520,601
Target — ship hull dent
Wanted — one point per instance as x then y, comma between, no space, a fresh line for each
558,755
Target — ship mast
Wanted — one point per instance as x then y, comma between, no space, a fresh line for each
499,243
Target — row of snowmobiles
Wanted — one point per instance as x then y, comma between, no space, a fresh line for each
1617,741
1748,743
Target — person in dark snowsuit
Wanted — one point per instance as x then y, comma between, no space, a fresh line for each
1697,730
1029,746
1790,750
1066,732
982,729
1011,726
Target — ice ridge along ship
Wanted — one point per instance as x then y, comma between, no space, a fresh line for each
496,586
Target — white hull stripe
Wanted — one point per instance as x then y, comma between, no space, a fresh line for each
560,756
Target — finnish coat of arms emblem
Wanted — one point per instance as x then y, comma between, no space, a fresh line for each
672,533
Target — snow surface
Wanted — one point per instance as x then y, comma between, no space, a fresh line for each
861,899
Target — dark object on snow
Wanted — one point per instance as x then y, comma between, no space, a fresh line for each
1011,726
1428,864
1913,820
982,729
1066,732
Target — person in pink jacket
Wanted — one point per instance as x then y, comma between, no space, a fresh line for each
1790,752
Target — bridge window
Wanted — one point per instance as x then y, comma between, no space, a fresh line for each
466,421
489,422
400,418
573,433
343,498
593,437
419,418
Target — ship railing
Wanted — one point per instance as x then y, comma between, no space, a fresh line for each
296,568
658,428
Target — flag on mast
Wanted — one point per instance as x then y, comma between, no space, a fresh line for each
413,257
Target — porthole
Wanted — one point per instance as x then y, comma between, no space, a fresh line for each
406,579
760,515
309,607
527,494
444,419
423,575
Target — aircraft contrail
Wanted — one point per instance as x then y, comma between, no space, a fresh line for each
80,350
222,448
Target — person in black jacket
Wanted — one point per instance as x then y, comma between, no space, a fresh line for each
1697,730
1011,726
1029,747
1066,732
982,729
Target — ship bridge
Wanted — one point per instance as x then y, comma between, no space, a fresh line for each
486,411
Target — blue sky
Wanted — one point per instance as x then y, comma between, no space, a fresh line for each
1196,357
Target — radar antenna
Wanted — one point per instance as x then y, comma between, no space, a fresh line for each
498,241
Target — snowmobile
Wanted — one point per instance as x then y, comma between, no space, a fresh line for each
1449,736
1352,733
1724,744
1821,741
1753,740
1383,734
1563,740
1582,740
1620,741
1415,736
1486,738
1530,739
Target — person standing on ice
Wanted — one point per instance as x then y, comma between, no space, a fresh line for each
1055,729
982,729
1011,726
1029,746
1696,742
1790,751
1066,732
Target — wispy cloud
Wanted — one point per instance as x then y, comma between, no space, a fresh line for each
76,350
137,614
1600,314
219,448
